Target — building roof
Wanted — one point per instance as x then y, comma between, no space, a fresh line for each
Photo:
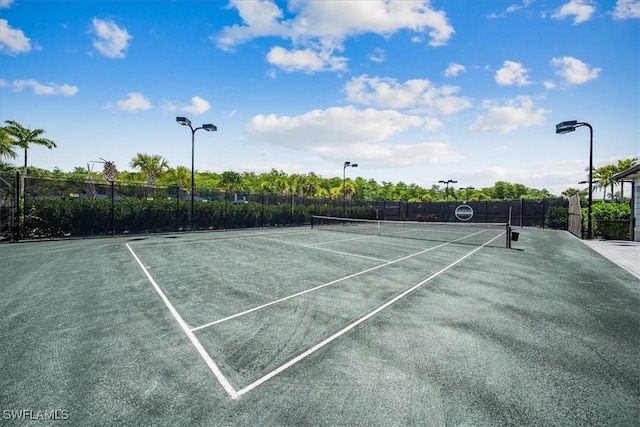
632,172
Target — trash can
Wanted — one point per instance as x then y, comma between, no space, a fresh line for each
514,236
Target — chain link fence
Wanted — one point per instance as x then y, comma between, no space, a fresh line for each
54,208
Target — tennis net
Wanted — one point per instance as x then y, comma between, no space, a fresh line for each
477,234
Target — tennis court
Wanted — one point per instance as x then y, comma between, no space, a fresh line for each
301,326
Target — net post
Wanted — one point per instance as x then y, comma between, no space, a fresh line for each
312,222
509,228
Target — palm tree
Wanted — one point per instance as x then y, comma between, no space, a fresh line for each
603,176
6,145
151,166
231,181
22,137
625,164
180,176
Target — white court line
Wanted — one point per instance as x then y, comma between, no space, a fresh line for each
160,241
343,240
207,359
260,307
354,324
323,249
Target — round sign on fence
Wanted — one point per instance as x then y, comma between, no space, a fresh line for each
464,212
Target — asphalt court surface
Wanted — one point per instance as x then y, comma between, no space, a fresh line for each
327,280
302,327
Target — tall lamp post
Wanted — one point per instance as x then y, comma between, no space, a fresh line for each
447,182
467,189
344,182
209,128
570,126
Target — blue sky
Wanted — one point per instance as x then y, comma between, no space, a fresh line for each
412,91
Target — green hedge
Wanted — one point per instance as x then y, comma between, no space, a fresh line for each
81,217
610,221
557,218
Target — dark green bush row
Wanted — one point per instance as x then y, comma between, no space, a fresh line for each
611,221
58,217
557,218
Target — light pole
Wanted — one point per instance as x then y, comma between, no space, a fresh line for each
447,182
209,128
344,182
585,182
570,126
467,189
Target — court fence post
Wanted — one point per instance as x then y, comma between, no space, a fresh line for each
262,209
16,209
177,208
224,217
112,206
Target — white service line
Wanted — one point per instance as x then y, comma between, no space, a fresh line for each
343,240
323,249
354,324
260,307
185,327
159,241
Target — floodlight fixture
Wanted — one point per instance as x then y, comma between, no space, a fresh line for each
566,127
183,121
447,182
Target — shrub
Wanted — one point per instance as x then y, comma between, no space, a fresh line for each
611,221
557,218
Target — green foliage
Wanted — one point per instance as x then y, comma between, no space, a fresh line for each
611,221
557,218
47,218
154,171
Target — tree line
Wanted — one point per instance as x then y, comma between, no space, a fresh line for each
154,170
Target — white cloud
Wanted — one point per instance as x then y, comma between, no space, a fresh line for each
514,114
432,124
334,126
512,8
574,71
378,55
417,93
347,131
318,28
454,69
42,89
515,7
627,9
135,102
13,41
198,106
334,20
581,10
305,60
111,40
397,155
5,3
512,73
260,18
548,84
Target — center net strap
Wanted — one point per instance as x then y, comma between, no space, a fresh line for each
477,234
